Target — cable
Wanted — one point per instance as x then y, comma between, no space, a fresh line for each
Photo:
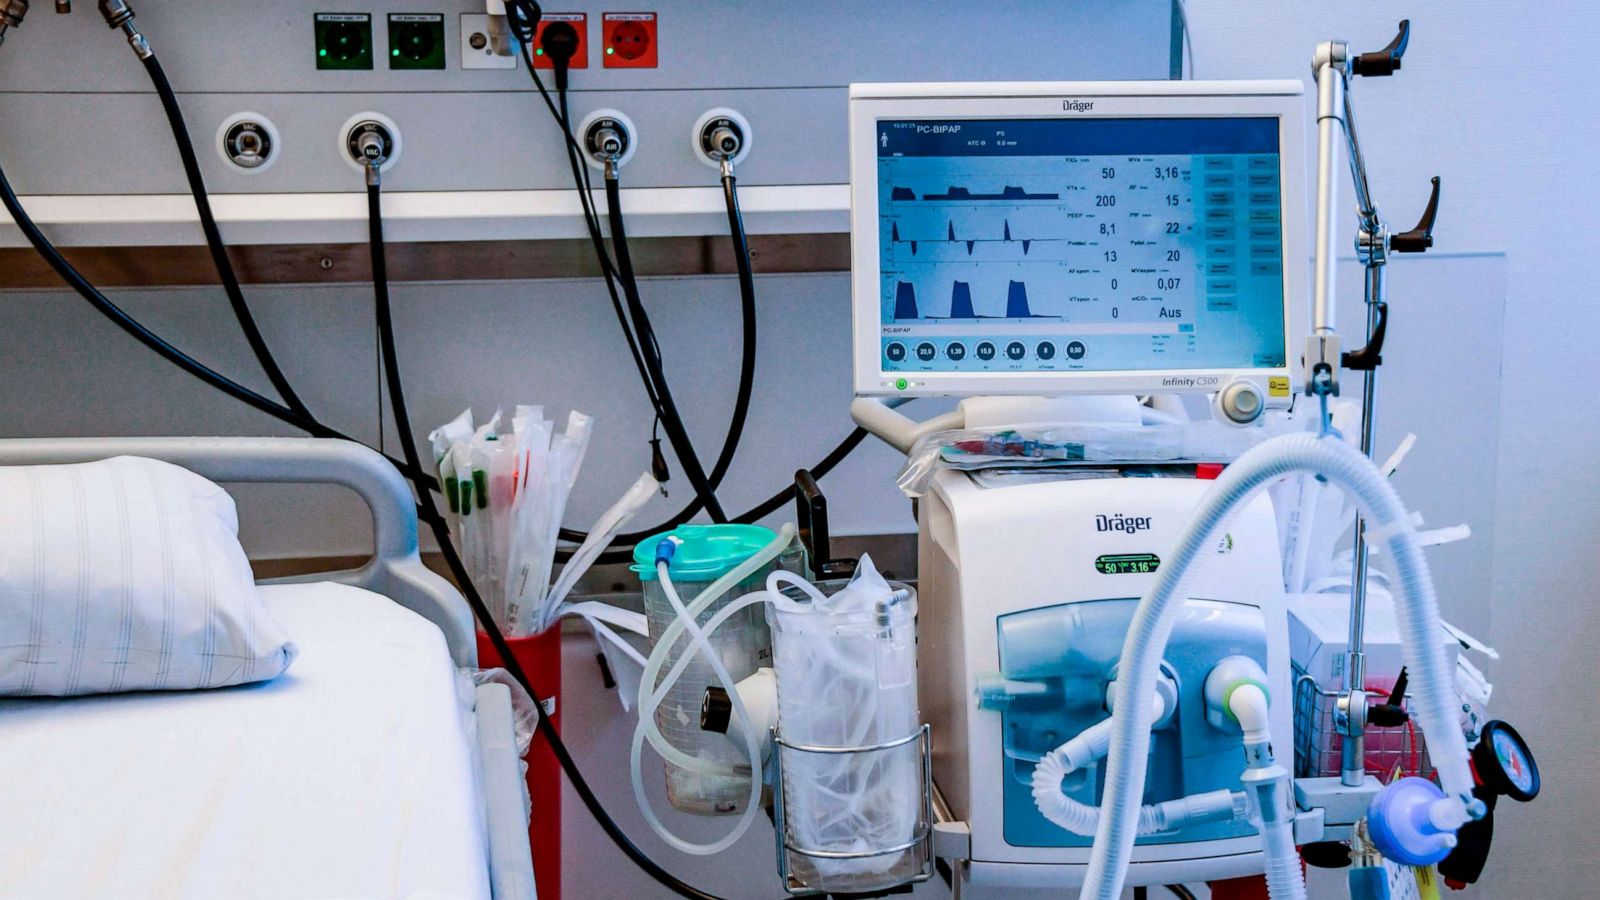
736,225
747,312
677,435
389,351
219,252
1181,892
127,323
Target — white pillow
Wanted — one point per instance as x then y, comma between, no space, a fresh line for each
126,575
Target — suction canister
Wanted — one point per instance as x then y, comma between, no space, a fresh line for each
712,776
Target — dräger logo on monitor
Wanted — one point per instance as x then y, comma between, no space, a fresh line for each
1077,105
1120,522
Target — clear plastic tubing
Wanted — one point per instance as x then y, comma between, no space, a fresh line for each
1417,613
637,752
648,700
702,646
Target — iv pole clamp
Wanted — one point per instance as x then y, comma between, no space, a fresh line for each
1333,66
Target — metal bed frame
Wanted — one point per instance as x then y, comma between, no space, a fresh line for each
395,571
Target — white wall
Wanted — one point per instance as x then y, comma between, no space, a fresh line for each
1498,99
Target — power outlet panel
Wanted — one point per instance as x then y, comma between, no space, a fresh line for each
630,40
343,41
416,41
579,23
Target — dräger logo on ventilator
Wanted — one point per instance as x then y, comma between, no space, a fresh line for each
1120,522
1077,105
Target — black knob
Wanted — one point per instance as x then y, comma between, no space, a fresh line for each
1386,61
1420,238
716,710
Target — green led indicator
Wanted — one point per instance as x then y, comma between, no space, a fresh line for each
539,52
901,383
610,50
394,52
322,53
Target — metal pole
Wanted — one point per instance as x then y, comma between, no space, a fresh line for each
1353,756
1321,359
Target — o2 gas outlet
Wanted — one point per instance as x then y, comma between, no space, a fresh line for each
721,134
608,137
368,136
248,142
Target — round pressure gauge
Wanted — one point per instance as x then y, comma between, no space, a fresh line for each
1505,764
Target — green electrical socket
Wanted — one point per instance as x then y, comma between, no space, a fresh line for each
416,41
344,40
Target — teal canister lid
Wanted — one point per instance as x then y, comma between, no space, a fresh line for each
705,552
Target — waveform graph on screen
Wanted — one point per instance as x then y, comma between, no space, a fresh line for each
998,302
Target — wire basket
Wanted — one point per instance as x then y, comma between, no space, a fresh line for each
1318,746
804,870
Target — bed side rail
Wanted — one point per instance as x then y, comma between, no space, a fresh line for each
395,570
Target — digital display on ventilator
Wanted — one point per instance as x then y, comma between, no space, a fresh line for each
1044,245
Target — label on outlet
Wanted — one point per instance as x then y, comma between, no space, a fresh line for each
630,17
564,17
435,18
344,17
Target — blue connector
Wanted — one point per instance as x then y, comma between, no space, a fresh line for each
665,550
1369,883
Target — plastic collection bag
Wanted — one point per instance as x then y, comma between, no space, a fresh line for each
846,672
1063,446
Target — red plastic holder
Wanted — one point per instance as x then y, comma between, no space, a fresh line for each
540,657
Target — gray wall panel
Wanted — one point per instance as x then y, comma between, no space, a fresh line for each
785,65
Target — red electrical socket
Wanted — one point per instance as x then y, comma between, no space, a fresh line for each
579,23
629,39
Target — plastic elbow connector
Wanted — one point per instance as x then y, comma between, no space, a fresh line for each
1227,703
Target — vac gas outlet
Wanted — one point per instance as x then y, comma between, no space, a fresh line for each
608,136
720,134
344,40
416,41
248,143
579,23
370,135
630,40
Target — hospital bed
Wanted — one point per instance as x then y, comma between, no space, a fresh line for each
369,769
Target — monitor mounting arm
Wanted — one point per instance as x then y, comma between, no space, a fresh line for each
1333,66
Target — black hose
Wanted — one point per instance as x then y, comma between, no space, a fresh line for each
219,252
162,348
747,313
677,434
1181,892
441,532
145,336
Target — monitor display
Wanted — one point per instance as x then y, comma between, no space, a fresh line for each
1079,244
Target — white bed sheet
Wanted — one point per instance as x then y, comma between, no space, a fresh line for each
353,775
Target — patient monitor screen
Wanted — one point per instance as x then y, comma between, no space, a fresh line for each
1035,245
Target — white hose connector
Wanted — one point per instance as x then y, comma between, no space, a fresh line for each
1248,703
1080,818
1417,614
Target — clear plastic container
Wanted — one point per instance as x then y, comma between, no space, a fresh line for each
743,643
852,749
